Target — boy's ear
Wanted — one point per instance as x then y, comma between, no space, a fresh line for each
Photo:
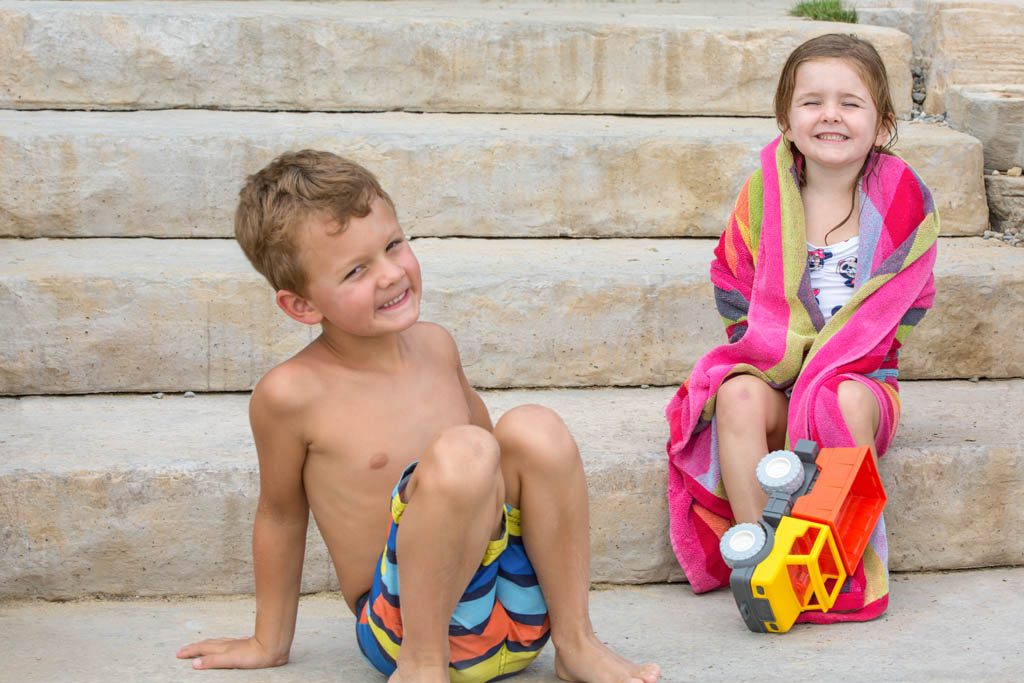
298,307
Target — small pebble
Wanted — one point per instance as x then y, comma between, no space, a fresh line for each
158,394
1016,172
973,379
918,97
995,172
190,394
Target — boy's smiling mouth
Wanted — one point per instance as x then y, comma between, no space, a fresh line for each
394,302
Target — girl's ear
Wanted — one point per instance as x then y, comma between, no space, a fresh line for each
884,134
298,308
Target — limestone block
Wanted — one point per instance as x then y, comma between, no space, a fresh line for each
177,173
173,315
148,315
979,299
995,115
355,56
132,496
1006,201
160,500
971,42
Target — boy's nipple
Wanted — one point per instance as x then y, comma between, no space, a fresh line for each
378,460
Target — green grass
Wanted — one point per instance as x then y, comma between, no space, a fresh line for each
825,10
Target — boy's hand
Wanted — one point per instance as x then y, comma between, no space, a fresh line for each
230,653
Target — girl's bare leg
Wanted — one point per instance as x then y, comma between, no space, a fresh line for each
544,478
751,421
860,412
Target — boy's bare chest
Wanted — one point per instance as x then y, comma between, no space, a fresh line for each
369,433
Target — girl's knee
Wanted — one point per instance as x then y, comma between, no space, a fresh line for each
740,397
856,399
859,408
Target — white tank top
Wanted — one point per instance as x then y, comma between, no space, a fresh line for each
833,270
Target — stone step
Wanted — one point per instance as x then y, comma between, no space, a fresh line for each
130,495
373,56
995,115
956,42
141,315
177,173
939,627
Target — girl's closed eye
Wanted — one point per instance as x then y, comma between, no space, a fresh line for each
352,273
395,243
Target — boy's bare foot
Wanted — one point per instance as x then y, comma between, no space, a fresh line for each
421,675
593,662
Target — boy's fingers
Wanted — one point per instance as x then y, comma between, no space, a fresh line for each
209,646
214,661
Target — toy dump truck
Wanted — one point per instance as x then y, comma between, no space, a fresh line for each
823,508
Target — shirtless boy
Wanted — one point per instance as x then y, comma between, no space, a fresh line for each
380,398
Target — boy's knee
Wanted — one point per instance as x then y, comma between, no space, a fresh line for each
536,432
462,460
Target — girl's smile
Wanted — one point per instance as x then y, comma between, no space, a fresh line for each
832,119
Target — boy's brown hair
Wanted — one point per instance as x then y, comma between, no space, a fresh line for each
864,59
278,200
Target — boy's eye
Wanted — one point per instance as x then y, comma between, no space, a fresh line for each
394,243
352,273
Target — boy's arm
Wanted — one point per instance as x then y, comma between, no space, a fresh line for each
279,537
478,414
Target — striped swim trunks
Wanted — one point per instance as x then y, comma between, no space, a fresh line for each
499,626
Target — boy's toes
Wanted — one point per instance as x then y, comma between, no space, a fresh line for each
649,673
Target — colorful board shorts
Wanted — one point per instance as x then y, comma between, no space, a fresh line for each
499,626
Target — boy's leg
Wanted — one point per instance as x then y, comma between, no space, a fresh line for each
750,418
544,478
455,505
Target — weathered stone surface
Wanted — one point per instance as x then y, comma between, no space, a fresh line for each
956,42
177,173
1005,201
995,115
971,42
160,499
173,315
383,56
916,640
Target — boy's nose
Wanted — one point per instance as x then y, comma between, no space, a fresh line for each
390,272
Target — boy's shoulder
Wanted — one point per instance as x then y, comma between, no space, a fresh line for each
290,385
432,336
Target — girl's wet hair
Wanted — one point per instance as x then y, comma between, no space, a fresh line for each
865,60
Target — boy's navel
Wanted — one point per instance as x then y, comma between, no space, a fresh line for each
378,460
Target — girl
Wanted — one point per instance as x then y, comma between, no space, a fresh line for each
824,268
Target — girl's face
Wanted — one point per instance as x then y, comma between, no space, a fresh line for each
832,118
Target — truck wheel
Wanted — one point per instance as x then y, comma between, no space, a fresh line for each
780,472
742,545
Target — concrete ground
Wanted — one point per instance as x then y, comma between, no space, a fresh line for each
940,626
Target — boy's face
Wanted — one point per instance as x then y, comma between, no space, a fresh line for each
363,280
